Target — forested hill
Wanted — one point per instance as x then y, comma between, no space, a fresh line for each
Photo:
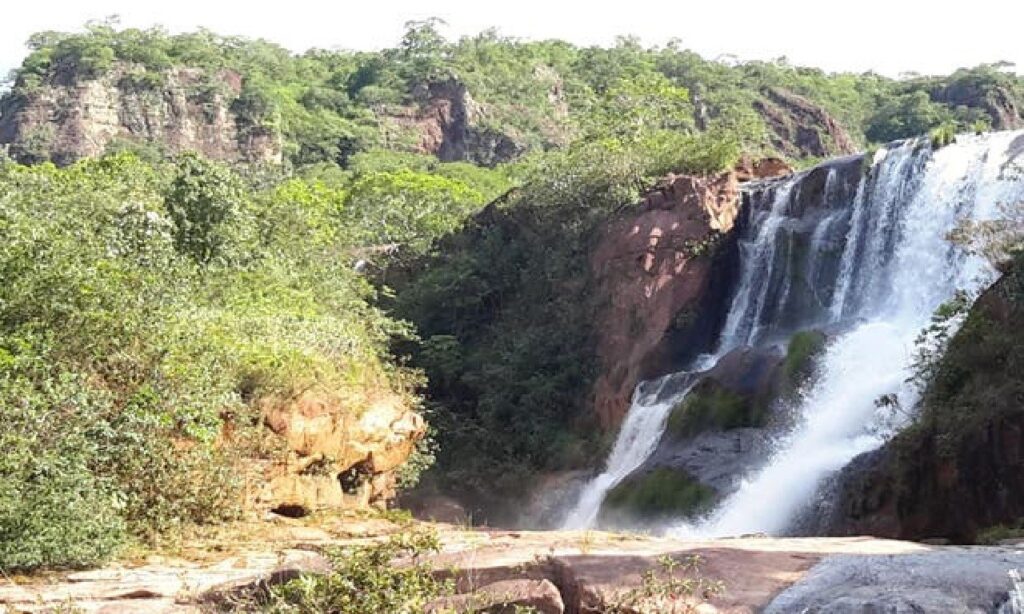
484,99
248,275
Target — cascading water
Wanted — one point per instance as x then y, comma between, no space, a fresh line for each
865,254
637,438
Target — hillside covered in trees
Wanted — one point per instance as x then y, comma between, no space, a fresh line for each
198,229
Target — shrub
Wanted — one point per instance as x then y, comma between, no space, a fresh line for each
385,578
709,406
944,134
140,327
662,494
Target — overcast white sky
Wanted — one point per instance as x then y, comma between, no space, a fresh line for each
888,36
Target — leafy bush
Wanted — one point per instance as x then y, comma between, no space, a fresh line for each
367,580
675,586
662,494
146,311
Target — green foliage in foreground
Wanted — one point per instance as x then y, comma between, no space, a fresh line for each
147,309
367,580
661,494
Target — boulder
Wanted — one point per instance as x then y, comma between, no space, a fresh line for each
340,453
947,580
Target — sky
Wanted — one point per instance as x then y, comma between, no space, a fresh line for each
888,36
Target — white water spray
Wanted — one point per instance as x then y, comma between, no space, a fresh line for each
896,268
898,292
638,436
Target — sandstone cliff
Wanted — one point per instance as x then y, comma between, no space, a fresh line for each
447,124
338,453
67,117
662,277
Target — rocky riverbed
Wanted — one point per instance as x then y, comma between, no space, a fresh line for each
552,571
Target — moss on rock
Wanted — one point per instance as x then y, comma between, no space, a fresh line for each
660,494
710,406
804,347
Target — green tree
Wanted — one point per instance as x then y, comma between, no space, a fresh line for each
204,199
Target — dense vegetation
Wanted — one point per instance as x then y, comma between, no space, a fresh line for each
329,105
147,309
150,303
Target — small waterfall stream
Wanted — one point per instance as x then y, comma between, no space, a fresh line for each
865,254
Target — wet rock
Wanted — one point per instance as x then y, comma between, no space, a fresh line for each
945,580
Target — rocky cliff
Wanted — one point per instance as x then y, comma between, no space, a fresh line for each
337,453
447,123
662,270
68,117
999,103
800,128
959,470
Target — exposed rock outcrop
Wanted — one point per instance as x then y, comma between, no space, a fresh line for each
997,102
573,572
69,117
720,432
801,128
749,169
653,266
447,124
337,456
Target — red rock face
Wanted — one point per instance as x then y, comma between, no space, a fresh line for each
445,125
801,128
70,118
653,264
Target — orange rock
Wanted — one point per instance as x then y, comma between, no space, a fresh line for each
340,453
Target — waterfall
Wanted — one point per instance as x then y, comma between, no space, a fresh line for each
862,253
637,439
1015,605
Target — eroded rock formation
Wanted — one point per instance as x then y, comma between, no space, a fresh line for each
447,124
337,455
663,270
653,267
69,117
801,128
